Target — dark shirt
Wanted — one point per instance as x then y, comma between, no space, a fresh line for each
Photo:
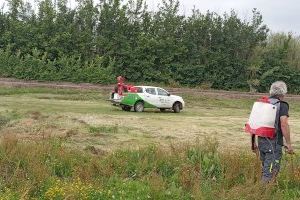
283,111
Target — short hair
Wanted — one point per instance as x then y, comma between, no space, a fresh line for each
278,88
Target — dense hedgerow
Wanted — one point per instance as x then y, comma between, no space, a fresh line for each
95,42
48,170
37,67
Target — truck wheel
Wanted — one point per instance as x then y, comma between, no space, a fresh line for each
176,107
126,108
139,106
162,110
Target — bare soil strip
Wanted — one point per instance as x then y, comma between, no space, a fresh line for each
66,85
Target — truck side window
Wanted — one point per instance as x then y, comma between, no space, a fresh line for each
139,90
162,92
151,91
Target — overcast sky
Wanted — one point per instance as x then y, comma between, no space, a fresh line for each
279,15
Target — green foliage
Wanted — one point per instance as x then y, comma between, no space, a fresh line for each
95,43
207,158
200,171
34,67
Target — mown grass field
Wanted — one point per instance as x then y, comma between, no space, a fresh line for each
72,144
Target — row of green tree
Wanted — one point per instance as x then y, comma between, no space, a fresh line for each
97,42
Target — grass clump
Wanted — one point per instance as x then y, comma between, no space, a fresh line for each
3,121
8,116
98,130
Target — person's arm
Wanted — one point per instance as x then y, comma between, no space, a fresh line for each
286,133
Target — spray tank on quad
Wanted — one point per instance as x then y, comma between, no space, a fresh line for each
262,120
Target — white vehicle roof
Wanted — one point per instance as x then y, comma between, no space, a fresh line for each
148,87
145,87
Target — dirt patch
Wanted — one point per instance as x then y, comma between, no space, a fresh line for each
35,115
94,150
72,132
195,91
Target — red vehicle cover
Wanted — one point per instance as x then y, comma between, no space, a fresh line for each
122,87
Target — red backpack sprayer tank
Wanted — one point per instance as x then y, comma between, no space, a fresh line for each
262,119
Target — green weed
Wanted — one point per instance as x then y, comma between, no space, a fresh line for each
48,170
3,121
96,130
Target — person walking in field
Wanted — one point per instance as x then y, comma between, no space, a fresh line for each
270,139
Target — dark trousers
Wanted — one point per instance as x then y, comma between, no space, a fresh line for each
270,156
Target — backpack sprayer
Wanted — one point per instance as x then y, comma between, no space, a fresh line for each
262,120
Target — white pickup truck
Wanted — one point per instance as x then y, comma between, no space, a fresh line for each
148,97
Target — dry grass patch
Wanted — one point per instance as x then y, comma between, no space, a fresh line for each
85,118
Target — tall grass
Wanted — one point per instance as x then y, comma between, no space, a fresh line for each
48,170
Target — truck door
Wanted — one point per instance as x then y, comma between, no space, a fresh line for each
151,97
164,98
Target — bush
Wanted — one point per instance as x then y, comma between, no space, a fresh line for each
37,67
